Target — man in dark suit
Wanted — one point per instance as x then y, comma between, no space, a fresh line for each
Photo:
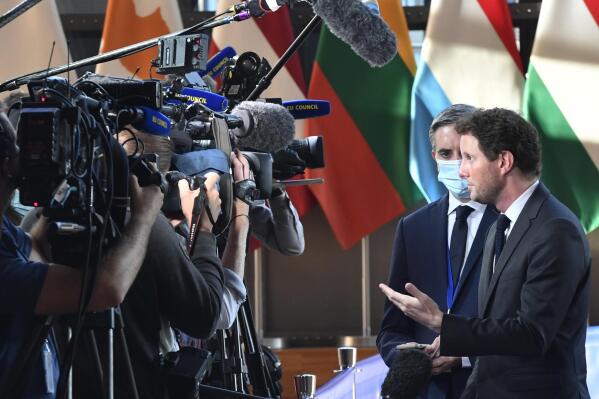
439,247
535,279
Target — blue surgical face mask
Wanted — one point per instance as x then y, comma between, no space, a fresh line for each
449,175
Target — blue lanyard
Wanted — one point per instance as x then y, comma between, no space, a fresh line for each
450,286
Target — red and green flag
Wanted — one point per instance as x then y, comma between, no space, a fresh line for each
367,180
560,99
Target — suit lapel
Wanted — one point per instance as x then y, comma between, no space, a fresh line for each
476,249
486,268
523,223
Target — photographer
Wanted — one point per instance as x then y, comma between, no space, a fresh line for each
30,285
172,290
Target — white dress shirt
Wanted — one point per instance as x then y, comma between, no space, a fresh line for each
473,221
515,209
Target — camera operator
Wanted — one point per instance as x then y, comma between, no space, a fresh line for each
234,251
274,222
30,285
172,290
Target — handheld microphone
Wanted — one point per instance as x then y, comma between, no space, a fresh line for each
215,65
190,95
146,119
303,109
355,22
410,372
266,127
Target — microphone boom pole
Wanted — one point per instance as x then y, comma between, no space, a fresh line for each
15,83
15,12
267,79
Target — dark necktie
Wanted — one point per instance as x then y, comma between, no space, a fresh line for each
457,247
503,222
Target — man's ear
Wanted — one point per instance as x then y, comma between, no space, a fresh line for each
506,162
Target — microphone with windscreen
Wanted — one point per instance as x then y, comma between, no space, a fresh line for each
266,127
408,375
355,22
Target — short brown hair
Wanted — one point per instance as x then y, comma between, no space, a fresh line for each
500,129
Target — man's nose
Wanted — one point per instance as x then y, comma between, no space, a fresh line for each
463,170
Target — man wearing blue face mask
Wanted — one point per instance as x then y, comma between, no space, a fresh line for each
439,249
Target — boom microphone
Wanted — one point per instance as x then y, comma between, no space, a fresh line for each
266,127
355,22
408,375
368,35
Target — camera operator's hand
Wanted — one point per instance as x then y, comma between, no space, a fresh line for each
235,251
286,164
188,197
214,201
145,201
241,171
278,189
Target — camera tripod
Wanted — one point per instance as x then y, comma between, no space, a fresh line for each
110,321
243,361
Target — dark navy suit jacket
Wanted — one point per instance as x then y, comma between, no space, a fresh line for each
531,330
420,257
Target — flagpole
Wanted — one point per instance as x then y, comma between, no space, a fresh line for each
366,328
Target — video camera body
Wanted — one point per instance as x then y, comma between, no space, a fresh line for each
71,163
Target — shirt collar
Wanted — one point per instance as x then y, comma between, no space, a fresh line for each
514,210
454,203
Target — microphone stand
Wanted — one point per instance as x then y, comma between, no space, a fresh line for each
16,11
299,40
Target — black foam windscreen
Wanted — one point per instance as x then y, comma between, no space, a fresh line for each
408,375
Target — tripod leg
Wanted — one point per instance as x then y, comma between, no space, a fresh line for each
125,349
236,360
92,347
262,381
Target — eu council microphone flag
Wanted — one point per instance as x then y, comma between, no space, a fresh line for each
560,99
269,36
367,183
131,21
26,42
469,56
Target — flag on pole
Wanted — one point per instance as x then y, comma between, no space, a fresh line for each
560,99
26,42
269,37
367,183
131,21
469,56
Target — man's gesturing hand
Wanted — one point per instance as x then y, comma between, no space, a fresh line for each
419,307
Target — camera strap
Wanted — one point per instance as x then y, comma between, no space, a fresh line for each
200,205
